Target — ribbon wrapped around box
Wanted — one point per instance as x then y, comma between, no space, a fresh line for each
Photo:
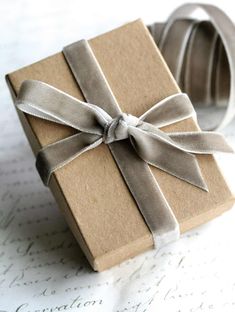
144,185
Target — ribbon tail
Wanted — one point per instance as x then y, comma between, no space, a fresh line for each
201,142
167,157
58,154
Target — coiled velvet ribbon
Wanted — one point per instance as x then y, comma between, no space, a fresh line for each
201,56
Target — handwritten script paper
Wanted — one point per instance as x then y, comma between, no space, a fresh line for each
41,266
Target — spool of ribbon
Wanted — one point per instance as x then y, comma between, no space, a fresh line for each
201,56
135,142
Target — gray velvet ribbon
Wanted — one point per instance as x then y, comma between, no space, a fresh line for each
201,55
133,141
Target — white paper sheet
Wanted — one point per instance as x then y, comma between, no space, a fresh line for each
41,266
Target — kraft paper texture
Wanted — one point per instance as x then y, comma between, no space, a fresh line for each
107,223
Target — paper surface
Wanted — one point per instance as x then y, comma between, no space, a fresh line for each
41,266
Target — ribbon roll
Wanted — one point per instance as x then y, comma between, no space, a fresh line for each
201,57
133,141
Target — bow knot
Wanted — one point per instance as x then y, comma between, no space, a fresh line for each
117,128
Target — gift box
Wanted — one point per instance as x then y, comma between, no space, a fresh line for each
90,190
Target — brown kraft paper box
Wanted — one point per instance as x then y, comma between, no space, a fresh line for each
90,190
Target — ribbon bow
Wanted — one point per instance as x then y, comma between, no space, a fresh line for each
170,152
